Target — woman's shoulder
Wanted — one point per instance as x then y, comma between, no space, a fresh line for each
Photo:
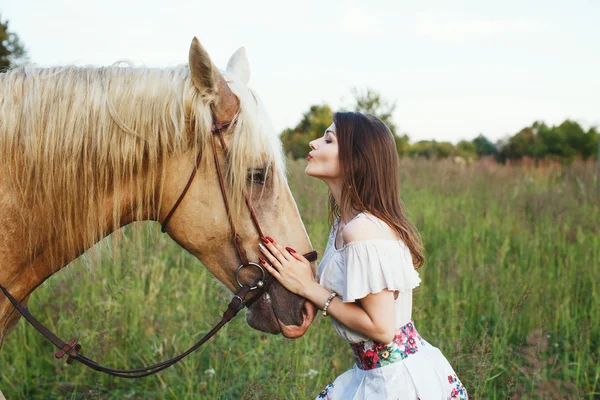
366,227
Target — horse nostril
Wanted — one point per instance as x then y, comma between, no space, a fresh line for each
309,310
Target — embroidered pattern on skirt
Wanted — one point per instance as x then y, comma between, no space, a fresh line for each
326,393
406,342
458,390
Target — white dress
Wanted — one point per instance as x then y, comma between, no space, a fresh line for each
407,368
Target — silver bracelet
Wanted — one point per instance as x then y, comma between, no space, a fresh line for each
331,296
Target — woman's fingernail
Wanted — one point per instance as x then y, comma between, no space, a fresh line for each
265,240
261,260
290,250
270,239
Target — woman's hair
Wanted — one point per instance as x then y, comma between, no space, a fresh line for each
370,176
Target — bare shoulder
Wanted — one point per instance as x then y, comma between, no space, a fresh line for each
365,228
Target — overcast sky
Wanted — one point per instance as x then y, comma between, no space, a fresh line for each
455,69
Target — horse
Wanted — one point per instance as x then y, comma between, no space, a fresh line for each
85,151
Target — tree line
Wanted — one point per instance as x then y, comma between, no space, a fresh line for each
564,142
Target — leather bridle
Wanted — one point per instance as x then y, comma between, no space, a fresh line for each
237,303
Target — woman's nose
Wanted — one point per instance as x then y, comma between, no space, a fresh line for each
311,144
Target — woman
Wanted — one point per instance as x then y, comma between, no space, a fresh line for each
367,274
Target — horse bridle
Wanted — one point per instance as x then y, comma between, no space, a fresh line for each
237,303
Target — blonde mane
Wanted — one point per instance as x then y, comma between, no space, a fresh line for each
73,137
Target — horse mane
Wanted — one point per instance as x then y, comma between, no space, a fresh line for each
72,137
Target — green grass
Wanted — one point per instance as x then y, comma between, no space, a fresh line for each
510,294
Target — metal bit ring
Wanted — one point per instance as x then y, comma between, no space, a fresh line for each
260,283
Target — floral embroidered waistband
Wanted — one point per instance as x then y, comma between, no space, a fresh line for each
406,342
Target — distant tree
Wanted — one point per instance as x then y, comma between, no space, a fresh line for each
423,148
12,51
402,144
501,145
553,144
445,149
581,142
432,149
466,149
483,147
522,144
313,125
371,102
591,147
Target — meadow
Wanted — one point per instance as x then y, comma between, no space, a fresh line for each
510,294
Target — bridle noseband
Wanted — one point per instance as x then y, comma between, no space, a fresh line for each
237,303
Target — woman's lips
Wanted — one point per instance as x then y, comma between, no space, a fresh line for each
309,157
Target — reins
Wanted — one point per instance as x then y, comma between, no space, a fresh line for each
238,302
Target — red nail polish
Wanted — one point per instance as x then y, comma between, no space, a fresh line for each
270,239
265,240
261,260
290,250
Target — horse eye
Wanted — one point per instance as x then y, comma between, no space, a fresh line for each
257,176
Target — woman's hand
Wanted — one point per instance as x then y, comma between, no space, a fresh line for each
291,269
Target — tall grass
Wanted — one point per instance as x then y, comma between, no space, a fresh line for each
510,294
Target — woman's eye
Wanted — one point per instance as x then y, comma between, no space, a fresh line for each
327,141
257,176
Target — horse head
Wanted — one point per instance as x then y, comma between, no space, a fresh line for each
254,166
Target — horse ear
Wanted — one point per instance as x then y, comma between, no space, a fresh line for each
207,78
201,68
239,66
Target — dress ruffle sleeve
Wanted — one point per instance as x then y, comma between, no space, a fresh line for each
374,265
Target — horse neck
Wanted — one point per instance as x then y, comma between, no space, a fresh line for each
21,272
33,243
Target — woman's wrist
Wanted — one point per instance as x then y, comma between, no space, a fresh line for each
309,290
317,294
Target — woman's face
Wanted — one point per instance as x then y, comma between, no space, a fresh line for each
323,160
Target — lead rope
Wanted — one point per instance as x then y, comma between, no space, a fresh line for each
72,348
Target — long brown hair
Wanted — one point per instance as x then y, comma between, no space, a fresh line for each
370,176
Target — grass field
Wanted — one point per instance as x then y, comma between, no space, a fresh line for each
510,295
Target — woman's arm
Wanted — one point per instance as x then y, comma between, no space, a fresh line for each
374,317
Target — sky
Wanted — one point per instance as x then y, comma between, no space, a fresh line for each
455,69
